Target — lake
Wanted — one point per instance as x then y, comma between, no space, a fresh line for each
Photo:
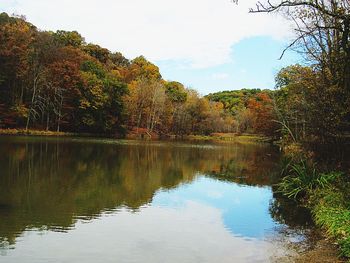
100,200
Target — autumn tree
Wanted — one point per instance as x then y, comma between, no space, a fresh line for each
141,68
16,38
177,96
68,38
64,77
262,109
322,34
100,103
55,81
294,88
101,54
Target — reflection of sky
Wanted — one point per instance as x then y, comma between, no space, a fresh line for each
244,208
190,234
188,224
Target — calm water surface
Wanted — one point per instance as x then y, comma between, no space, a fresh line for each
95,200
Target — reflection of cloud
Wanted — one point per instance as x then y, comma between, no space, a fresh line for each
199,32
214,194
194,233
244,209
218,76
236,201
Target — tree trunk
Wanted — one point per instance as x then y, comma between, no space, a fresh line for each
32,101
47,121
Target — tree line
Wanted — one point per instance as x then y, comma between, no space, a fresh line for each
56,81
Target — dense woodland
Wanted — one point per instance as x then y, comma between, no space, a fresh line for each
56,81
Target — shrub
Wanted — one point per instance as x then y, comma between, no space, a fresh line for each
302,178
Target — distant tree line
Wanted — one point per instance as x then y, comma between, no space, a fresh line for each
252,110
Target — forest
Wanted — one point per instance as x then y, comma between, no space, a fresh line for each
55,81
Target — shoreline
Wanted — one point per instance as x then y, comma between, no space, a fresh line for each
322,251
216,137
35,132
324,191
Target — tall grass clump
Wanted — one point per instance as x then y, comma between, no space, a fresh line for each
325,193
302,178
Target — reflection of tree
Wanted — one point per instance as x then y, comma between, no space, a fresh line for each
48,184
255,166
259,167
286,211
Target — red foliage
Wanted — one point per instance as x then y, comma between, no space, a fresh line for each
262,108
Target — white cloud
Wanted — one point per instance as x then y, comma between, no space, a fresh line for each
200,32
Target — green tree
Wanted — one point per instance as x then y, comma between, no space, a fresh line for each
68,38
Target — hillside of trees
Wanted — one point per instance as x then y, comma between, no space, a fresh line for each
252,110
56,81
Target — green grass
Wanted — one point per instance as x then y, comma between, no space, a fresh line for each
229,137
326,194
219,137
302,178
331,211
33,132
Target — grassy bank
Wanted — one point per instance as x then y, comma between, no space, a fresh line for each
142,135
326,195
331,210
34,132
229,137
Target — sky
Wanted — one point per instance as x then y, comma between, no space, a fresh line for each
208,45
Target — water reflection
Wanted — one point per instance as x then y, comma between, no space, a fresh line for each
244,209
53,185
